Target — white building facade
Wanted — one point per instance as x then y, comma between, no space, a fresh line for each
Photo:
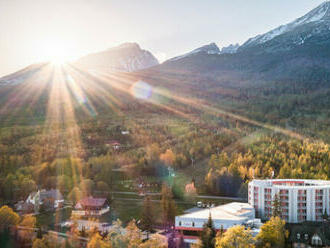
38,198
300,200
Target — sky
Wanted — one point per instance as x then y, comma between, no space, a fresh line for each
41,30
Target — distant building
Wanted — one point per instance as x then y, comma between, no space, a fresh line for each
48,198
23,207
225,216
91,207
89,225
114,144
300,200
310,235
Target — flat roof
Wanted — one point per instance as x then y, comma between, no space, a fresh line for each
290,183
232,211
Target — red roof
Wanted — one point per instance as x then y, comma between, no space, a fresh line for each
112,142
92,202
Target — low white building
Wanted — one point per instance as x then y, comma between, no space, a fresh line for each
225,216
53,197
300,200
88,225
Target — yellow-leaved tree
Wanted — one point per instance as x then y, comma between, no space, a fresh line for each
7,218
97,241
272,234
235,237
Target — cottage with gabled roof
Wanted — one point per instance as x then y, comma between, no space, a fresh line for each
90,206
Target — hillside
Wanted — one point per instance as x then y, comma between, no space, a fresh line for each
280,78
215,117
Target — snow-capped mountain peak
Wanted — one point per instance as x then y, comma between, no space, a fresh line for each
319,14
211,48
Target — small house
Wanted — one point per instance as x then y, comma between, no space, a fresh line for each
310,234
49,198
91,207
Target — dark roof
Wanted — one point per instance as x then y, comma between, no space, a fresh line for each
23,206
92,202
307,230
53,193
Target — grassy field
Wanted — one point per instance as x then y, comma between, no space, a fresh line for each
52,219
127,209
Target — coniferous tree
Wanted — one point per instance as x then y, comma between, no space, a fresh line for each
325,215
147,216
276,207
208,234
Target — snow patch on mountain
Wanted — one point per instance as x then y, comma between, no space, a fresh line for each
232,48
211,48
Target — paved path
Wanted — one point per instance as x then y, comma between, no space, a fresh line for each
199,196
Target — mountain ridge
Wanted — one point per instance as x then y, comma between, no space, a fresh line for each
126,57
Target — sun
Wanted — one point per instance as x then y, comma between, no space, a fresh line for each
58,60
56,52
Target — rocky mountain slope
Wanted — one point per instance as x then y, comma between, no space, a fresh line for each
211,48
127,57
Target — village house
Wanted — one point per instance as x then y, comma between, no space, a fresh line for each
23,207
114,144
88,225
310,234
91,207
51,199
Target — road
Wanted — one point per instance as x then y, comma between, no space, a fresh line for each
199,196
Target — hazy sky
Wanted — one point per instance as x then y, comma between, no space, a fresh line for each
35,30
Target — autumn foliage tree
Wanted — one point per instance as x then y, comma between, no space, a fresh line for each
168,206
7,218
272,234
28,223
97,241
236,236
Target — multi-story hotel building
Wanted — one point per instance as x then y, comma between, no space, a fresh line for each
300,200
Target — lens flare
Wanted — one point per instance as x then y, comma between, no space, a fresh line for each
141,90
